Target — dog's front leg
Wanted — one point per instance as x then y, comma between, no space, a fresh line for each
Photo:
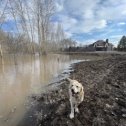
72,109
76,108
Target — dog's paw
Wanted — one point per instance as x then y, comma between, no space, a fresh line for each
76,110
71,115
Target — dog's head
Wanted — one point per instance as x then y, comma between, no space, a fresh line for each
75,86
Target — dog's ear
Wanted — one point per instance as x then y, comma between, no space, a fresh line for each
82,89
82,93
69,79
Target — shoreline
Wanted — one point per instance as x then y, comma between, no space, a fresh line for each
104,104
95,53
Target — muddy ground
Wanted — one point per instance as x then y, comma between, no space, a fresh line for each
104,83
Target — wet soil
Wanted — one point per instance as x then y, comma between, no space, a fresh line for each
104,84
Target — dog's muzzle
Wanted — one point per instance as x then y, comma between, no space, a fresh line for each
74,93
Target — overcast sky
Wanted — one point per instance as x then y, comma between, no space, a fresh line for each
88,20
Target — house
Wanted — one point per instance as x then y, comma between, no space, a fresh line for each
102,45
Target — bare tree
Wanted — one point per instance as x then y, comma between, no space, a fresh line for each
33,22
60,35
45,9
2,12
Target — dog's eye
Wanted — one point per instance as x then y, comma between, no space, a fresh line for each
77,86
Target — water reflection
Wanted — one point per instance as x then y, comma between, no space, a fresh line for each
22,76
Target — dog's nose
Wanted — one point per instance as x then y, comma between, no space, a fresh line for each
72,91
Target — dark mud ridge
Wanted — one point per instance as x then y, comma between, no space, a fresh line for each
104,82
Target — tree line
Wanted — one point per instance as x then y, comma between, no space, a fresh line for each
32,29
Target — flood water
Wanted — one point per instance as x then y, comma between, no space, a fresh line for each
23,76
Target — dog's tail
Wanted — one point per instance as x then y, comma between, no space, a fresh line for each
69,79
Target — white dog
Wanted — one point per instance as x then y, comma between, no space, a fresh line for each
76,93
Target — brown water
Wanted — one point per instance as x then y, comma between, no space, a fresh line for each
23,76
